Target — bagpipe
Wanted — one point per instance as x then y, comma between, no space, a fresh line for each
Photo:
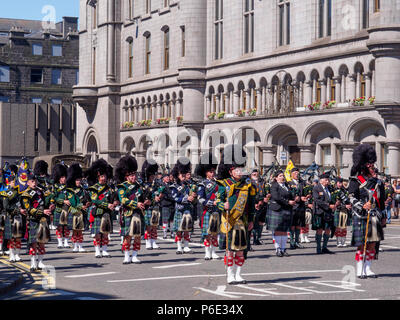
310,173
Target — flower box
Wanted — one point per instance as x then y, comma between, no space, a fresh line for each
127,124
359,101
179,119
221,115
241,113
252,112
371,100
329,104
314,106
211,116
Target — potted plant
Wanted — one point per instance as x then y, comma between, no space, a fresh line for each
211,116
371,100
179,119
359,101
252,112
221,115
241,113
314,106
329,104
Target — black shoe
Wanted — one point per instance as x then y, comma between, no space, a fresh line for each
319,251
257,243
251,249
326,250
292,246
179,252
99,256
376,256
164,237
298,245
285,254
279,254
362,277
207,258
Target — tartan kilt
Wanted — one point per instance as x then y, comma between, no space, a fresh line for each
166,214
359,229
32,231
96,225
56,220
299,217
177,220
147,217
56,217
7,228
126,223
336,219
318,222
279,220
205,220
222,241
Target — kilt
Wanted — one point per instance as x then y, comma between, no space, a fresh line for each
359,228
279,220
299,217
126,223
56,220
319,222
222,241
7,228
32,231
147,217
336,219
205,220
177,220
167,214
96,225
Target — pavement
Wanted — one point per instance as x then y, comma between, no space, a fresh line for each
10,277
164,275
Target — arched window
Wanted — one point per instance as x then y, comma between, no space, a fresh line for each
325,18
148,52
365,14
218,29
166,49
130,58
284,22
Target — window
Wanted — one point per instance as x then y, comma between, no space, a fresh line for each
318,95
4,74
326,155
166,49
37,76
183,41
148,54
56,76
130,9
36,100
365,14
284,22
325,18
37,49
4,99
130,59
56,101
57,50
166,3
76,77
333,89
249,26
377,5
218,28
95,15
362,85
94,67
148,6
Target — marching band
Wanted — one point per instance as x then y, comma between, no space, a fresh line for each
234,208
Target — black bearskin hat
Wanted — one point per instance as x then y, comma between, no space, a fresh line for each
363,154
59,171
126,164
149,168
233,157
13,169
74,172
183,165
41,168
98,167
207,162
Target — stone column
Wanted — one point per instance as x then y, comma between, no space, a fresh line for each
260,106
307,154
275,103
136,113
314,96
343,94
347,160
270,97
308,93
153,113
236,101
338,90
248,100
208,106
158,110
269,153
323,91
353,87
179,108
173,111
111,41
264,100
301,94
368,90
217,103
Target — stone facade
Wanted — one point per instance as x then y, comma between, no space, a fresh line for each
17,55
275,79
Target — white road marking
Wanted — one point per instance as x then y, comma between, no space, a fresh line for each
386,246
222,275
178,265
90,275
270,291
190,243
341,285
221,292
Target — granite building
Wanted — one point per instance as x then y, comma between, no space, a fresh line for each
308,79
38,68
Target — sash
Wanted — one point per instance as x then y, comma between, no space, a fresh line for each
228,220
375,194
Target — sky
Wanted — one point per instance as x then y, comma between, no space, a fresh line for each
39,9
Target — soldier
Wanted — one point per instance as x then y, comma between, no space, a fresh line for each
102,198
236,201
210,218
260,206
78,202
45,184
184,199
62,220
33,201
281,213
307,193
151,201
367,196
130,195
322,213
342,216
167,204
296,186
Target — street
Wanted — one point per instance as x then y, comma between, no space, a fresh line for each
164,275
